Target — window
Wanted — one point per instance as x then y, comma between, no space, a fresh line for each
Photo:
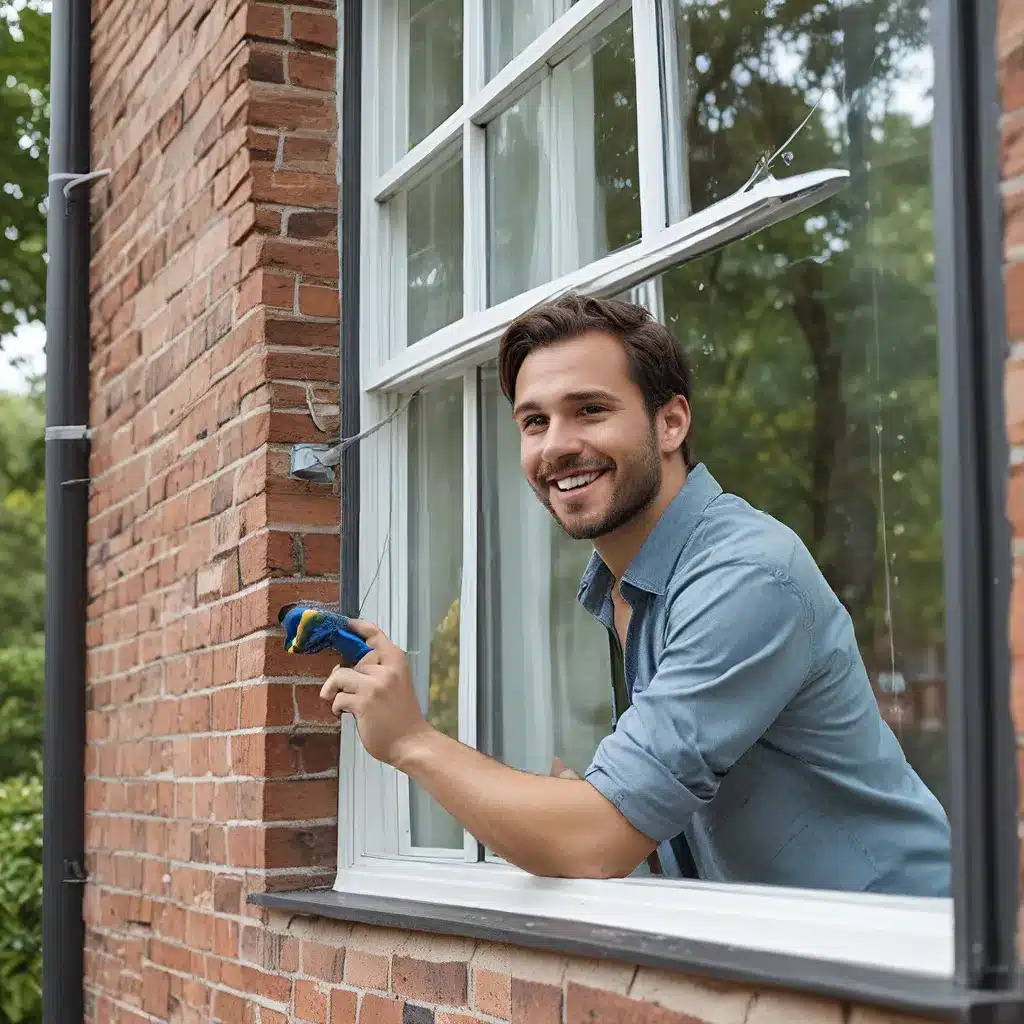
758,176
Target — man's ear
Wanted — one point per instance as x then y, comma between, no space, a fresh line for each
674,424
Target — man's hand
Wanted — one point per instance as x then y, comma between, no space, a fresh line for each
379,693
549,826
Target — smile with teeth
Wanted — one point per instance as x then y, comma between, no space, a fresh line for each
574,483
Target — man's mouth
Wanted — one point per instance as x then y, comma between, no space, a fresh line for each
577,481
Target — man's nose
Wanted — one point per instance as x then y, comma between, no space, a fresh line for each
560,441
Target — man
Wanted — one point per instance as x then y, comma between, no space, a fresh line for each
752,749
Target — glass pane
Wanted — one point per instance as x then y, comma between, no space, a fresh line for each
749,74
434,252
563,178
511,25
816,397
545,664
435,583
435,64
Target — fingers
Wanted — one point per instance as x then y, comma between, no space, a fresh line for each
343,680
375,638
345,702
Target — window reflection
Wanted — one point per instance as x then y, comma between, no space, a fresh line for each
562,169
748,75
435,583
433,236
435,64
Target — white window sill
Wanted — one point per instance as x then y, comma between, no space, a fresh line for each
898,934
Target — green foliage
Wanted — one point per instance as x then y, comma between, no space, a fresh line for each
24,157
21,888
21,708
22,511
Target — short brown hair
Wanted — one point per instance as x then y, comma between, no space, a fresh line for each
657,364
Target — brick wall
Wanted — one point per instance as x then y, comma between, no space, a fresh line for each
211,764
1010,49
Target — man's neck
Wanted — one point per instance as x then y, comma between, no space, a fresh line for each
619,548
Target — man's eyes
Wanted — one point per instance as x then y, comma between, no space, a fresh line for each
536,421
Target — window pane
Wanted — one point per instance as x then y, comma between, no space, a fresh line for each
563,178
749,74
546,685
511,25
435,583
434,252
816,398
435,64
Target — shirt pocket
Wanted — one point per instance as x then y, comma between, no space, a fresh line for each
822,854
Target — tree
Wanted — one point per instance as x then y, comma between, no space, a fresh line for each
24,139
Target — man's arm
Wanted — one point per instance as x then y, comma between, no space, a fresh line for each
547,826
559,827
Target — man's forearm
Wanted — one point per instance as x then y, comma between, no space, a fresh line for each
547,826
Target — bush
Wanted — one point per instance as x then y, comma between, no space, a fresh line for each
21,893
21,707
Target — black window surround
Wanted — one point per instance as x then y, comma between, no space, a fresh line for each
986,987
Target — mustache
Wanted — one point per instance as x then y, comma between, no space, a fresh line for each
573,464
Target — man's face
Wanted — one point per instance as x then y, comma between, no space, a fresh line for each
588,447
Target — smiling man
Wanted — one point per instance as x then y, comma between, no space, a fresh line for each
752,749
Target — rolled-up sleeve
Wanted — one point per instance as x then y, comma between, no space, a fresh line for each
737,649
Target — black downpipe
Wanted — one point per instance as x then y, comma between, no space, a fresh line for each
348,233
67,470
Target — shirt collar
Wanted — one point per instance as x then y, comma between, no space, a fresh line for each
654,563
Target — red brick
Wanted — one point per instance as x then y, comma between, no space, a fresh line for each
155,991
266,63
366,970
265,21
308,800
430,982
1014,287
1013,207
380,1010
229,1008
310,152
319,29
227,894
585,1005
535,1003
275,106
317,301
311,70
343,1006
319,960
310,1002
492,993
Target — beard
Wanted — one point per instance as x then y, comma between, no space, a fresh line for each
637,485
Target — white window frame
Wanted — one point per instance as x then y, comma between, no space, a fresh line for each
900,934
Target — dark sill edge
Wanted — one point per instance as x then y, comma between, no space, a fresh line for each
909,993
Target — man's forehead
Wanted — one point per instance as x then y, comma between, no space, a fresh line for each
564,369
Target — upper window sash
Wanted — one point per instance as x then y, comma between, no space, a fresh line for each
474,338
582,22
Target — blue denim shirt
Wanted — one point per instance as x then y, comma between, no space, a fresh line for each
753,732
